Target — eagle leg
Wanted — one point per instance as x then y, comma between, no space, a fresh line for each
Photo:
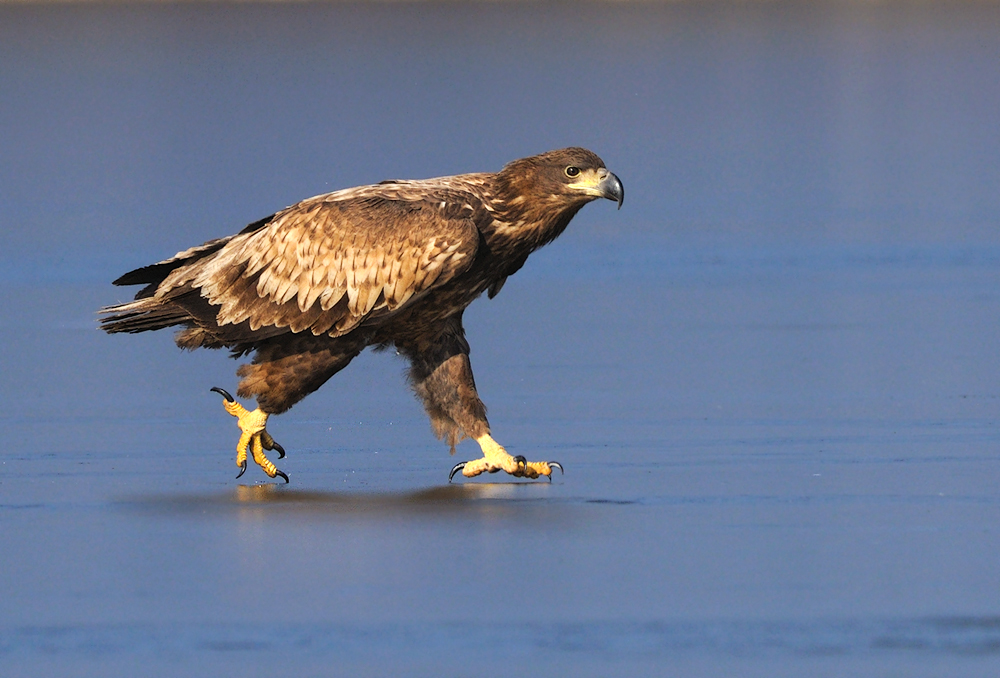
495,458
442,377
254,439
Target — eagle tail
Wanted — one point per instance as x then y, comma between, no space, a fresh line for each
149,312
142,315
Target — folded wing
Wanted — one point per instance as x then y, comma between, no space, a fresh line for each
324,265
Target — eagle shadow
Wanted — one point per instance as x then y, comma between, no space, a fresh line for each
266,500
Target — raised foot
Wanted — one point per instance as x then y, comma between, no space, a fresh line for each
496,459
254,438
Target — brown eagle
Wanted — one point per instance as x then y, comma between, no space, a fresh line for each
389,265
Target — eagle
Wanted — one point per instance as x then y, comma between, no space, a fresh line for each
389,265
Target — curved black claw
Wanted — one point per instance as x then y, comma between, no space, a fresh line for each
552,465
458,467
225,394
522,464
243,468
281,451
282,474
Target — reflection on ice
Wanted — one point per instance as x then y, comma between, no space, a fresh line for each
273,493
273,499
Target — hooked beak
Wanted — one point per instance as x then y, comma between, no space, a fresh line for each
611,188
600,184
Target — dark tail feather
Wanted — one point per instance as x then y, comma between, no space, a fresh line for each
142,315
148,313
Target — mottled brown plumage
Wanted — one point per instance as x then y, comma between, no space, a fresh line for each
393,264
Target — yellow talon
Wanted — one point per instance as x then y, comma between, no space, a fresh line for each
495,458
254,439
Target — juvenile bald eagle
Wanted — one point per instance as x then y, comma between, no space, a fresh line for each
390,265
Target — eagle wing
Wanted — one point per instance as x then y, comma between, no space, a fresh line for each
329,263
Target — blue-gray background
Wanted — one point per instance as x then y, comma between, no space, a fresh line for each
772,376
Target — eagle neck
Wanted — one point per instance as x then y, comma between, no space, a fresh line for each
521,223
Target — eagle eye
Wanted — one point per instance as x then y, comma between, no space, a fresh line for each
572,171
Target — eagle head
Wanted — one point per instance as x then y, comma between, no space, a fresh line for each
570,176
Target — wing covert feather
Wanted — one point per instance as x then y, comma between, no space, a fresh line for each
327,264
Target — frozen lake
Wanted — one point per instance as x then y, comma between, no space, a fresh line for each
771,377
